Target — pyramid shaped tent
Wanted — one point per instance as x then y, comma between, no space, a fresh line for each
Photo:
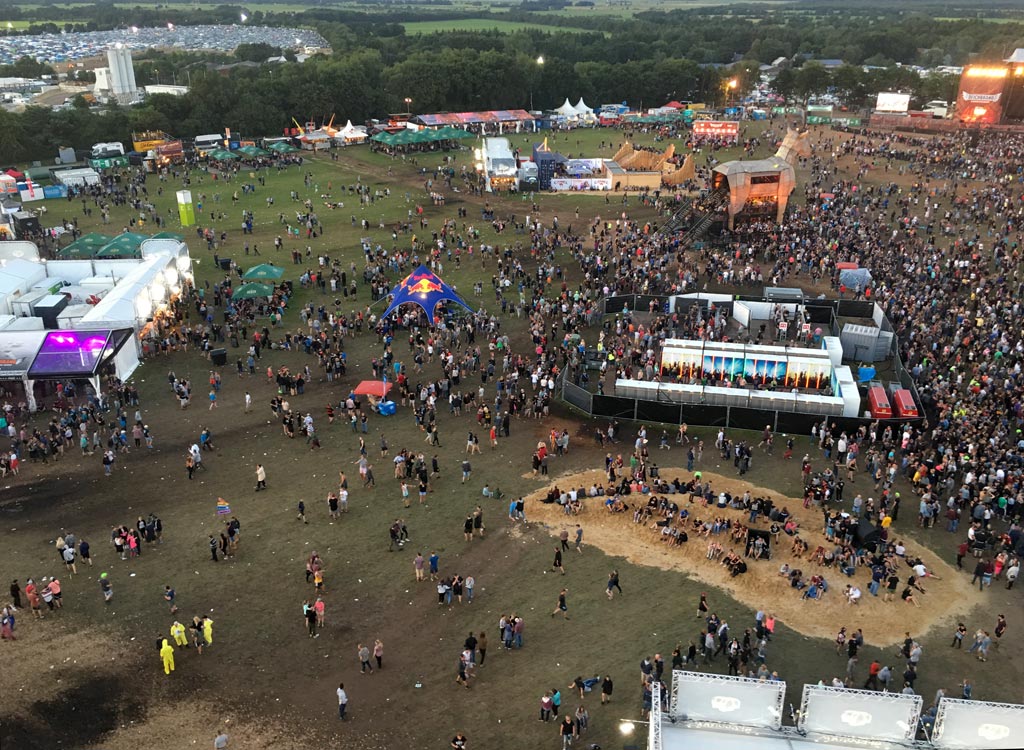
351,132
582,109
566,110
424,288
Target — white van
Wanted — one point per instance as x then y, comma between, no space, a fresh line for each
205,143
106,150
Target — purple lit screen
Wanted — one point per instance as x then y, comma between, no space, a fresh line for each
69,353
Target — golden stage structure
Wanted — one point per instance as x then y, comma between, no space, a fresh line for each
760,188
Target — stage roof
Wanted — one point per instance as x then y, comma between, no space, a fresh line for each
471,118
756,166
685,737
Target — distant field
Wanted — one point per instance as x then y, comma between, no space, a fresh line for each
482,24
639,6
967,17
270,7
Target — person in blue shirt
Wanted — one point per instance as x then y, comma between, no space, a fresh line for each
433,561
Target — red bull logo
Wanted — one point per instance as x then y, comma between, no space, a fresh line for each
423,284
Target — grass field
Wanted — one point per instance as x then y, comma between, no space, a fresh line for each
485,24
263,674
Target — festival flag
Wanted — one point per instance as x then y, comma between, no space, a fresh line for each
222,507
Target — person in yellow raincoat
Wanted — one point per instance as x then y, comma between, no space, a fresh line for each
178,634
167,654
208,630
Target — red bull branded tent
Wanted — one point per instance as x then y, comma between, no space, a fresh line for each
424,288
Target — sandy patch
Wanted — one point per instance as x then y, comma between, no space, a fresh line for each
761,587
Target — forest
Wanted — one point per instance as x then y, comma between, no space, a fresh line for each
644,60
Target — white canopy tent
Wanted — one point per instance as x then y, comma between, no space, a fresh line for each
352,132
582,110
567,110
16,278
18,250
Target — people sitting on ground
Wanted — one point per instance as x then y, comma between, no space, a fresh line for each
852,593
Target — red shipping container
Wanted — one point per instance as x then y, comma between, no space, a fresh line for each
903,400
879,403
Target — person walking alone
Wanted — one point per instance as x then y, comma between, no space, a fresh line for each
342,701
613,583
562,606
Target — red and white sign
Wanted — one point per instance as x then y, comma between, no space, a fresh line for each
716,129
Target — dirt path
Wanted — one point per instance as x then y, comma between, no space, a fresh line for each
762,587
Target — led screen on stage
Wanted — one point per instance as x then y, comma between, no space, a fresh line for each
860,713
978,725
69,353
731,700
765,369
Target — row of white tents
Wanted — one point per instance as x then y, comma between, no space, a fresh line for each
121,293
578,112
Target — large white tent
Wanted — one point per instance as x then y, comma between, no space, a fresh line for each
135,290
351,132
16,278
566,110
582,109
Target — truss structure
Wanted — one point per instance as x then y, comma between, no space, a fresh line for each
977,724
654,731
902,711
764,700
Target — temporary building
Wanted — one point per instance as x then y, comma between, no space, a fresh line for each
77,177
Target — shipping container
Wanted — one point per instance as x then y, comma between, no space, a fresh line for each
903,400
878,402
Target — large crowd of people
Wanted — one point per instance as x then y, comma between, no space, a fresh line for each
944,213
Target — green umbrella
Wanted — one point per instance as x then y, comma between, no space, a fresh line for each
252,291
451,133
282,147
384,137
221,154
253,151
263,271
403,138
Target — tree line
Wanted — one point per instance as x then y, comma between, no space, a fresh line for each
646,61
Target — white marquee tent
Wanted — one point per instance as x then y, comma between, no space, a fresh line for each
567,110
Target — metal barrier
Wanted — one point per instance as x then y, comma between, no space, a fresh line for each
581,398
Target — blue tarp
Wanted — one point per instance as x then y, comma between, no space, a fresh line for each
855,278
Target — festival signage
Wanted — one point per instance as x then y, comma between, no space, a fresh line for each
186,211
717,129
